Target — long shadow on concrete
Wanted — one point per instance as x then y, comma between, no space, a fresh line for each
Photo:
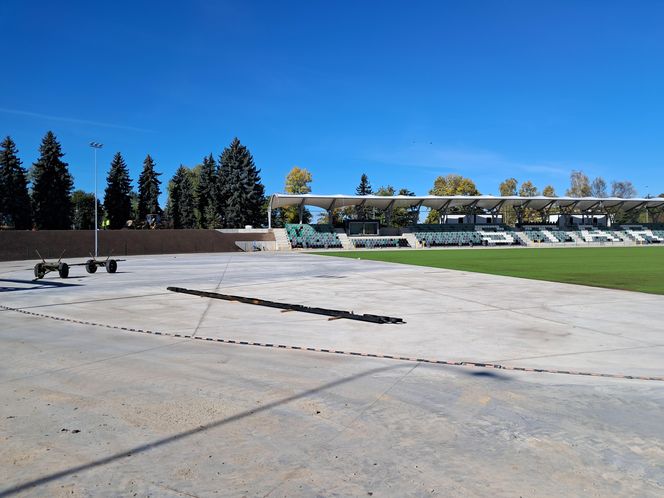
489,375
34,284
191,432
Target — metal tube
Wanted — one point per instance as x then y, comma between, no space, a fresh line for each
269,213
95,146
334,314
96,230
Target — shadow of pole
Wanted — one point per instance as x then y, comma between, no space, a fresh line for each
35,284
191,432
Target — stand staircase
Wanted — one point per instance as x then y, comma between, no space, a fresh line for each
281,239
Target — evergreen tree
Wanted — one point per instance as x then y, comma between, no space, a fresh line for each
364,188
241,195
181,200
51,187
14,198
206,193
117,199
133,201
148,190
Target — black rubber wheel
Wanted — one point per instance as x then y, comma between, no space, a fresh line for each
111,266
63,270
90,266
39,270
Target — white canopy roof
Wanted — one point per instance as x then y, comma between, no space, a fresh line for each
487,202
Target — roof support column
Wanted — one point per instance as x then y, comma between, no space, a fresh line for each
442,211
359,210
520,211
301,210
388,213
471,208
417,211
495,210
330,212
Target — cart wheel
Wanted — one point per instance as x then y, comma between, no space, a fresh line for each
111,266
39,270
90,266
63,270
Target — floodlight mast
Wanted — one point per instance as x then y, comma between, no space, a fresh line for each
95,146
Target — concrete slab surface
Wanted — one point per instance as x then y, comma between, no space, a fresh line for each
88,410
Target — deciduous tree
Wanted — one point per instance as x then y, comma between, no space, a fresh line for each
579,185
623,189
527,189
508,188
451,184
83,210
598,188
298,181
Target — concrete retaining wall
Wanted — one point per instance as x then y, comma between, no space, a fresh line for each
16,245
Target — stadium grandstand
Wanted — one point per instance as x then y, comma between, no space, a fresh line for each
468,221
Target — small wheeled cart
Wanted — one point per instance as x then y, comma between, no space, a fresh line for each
91,265
111,265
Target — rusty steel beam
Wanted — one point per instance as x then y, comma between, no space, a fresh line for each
333,314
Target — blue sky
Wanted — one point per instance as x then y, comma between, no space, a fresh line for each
403,91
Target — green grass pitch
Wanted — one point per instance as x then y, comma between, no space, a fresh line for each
630,268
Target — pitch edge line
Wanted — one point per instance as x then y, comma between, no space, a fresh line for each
472,364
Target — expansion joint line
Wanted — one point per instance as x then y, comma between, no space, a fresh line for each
472,364
209,304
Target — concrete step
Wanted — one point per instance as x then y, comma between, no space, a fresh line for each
575,237
345,241
549,236
281,239
412,240
525,241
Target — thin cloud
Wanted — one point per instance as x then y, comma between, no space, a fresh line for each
64,119
444,158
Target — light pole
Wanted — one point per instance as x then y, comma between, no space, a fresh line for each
95,146
647,197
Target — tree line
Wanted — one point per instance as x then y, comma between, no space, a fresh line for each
226,192
455,184
222,192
